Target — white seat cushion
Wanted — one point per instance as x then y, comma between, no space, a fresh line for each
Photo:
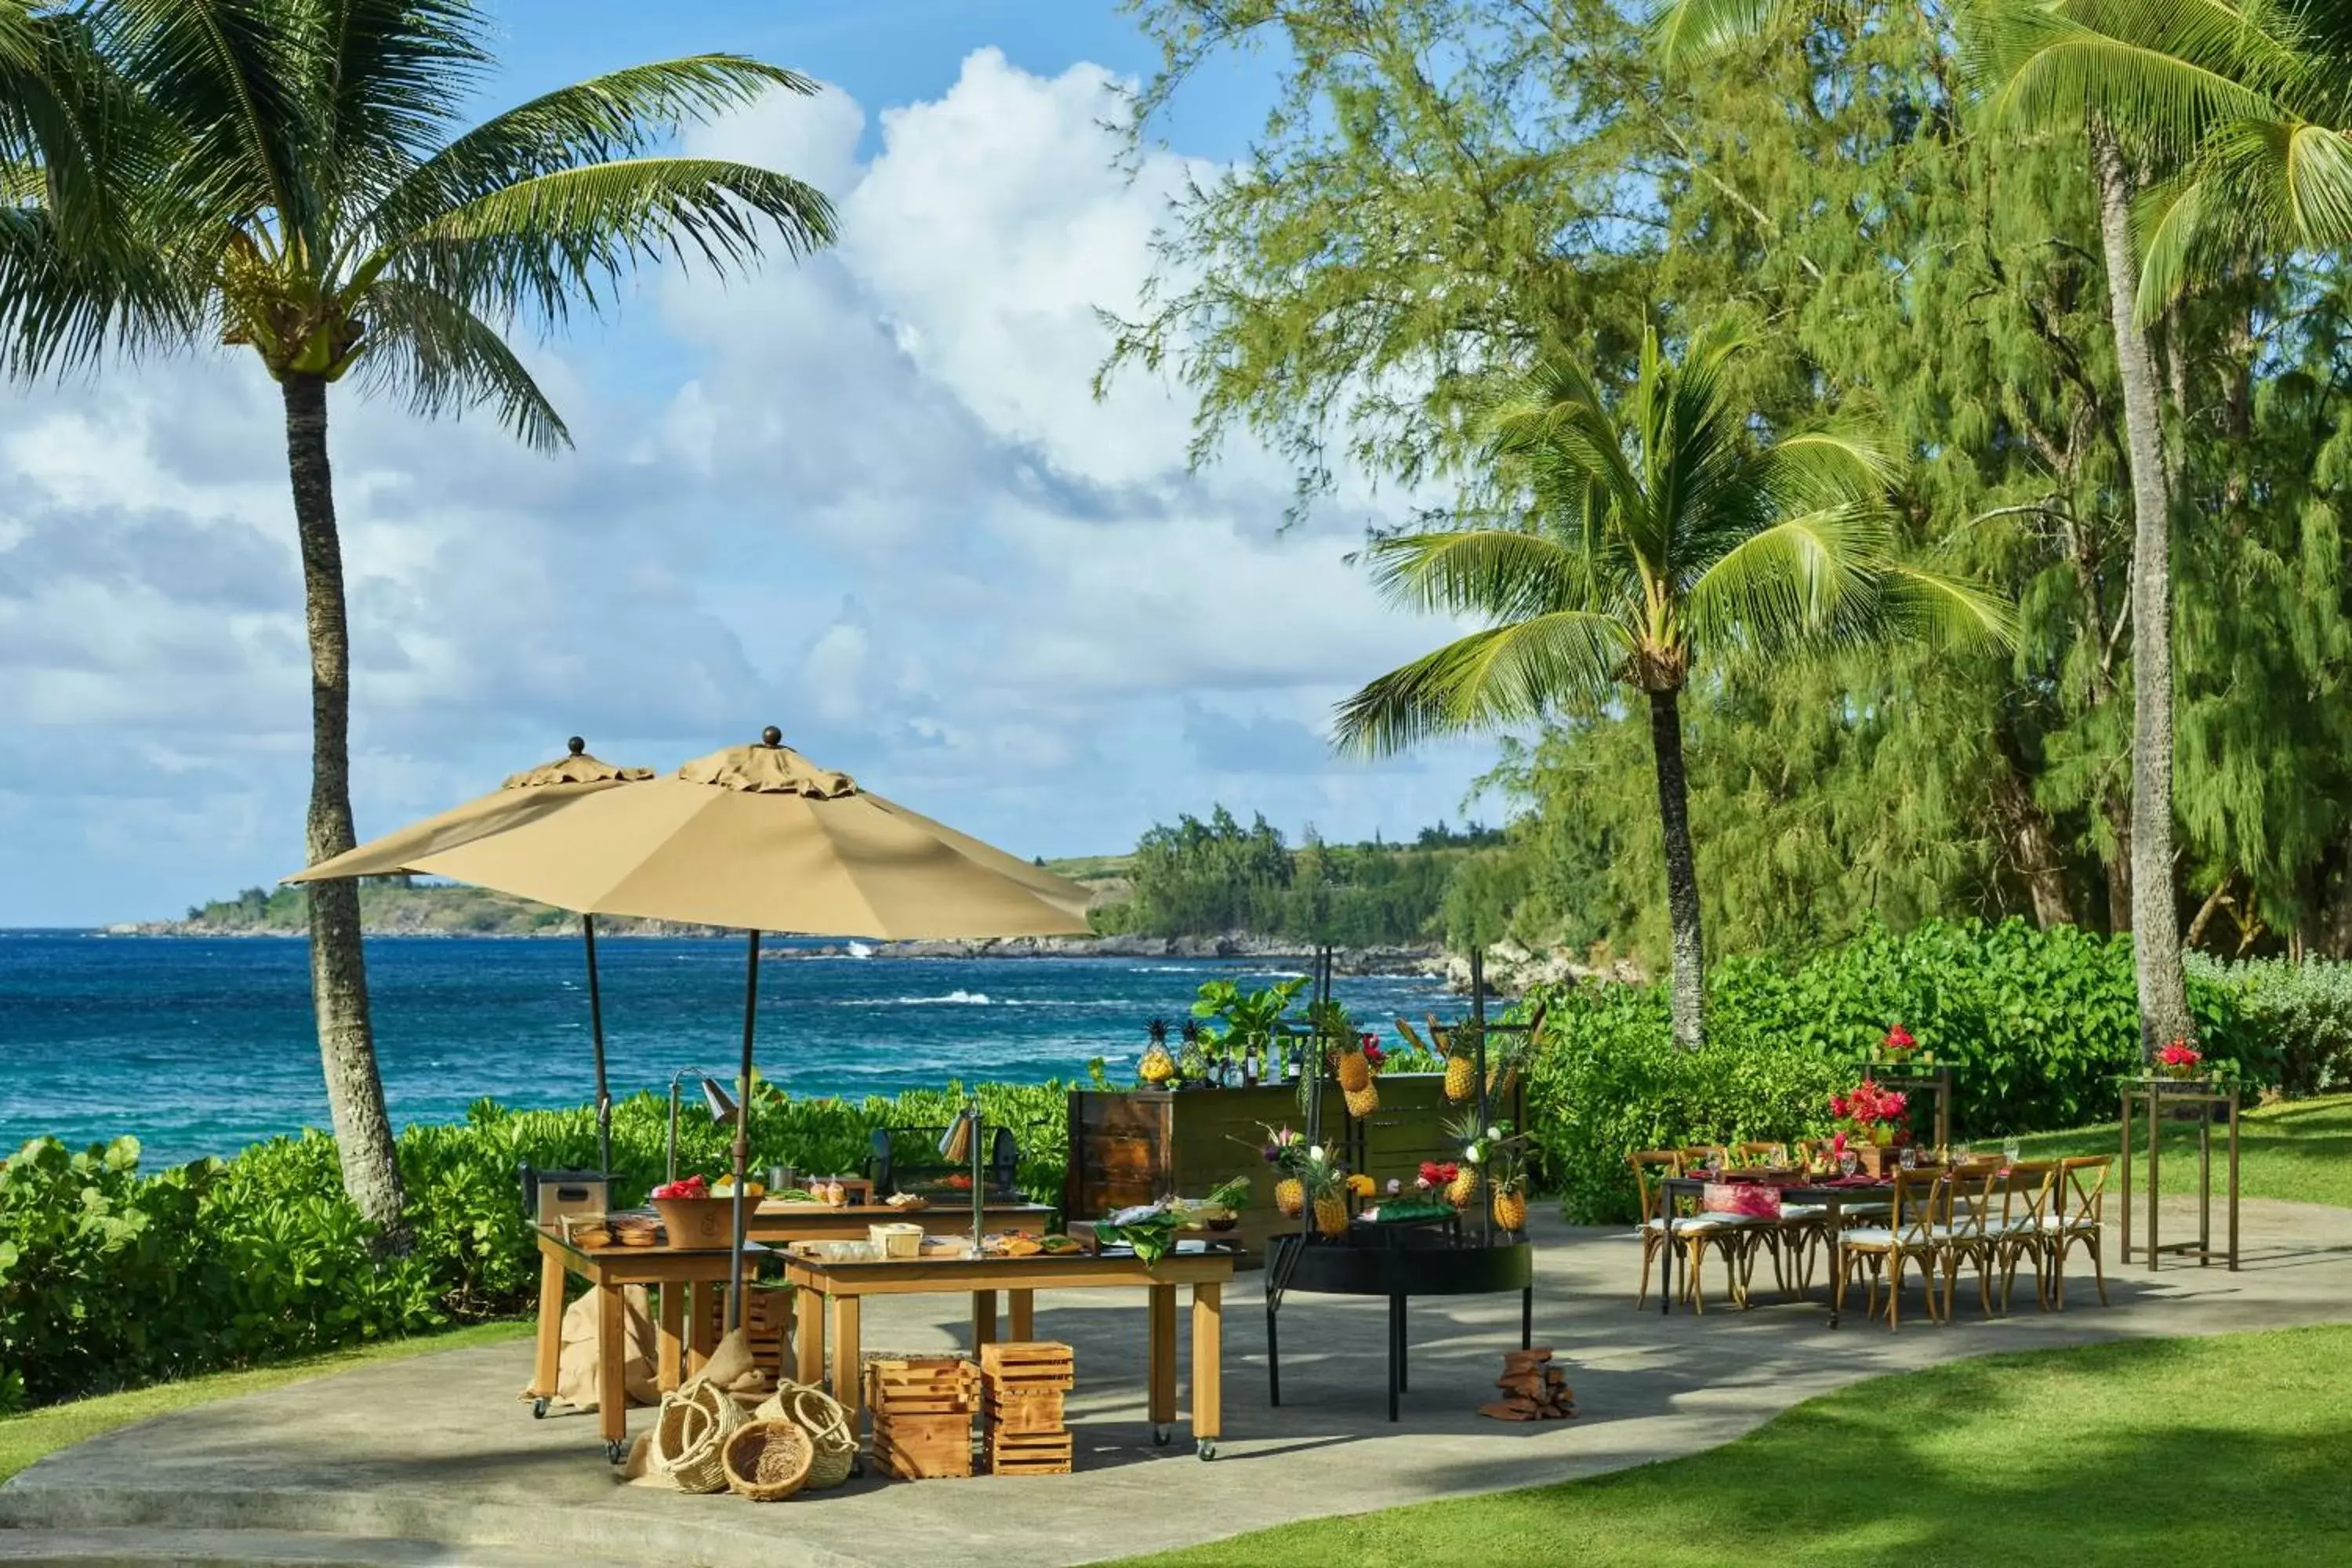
1685,1223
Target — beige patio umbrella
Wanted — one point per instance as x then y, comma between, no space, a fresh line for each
756,837
523,797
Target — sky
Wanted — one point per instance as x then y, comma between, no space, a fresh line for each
868,498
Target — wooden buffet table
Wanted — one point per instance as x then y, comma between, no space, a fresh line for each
842,1286
608,1268
777,1223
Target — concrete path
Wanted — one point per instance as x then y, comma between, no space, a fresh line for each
433,1459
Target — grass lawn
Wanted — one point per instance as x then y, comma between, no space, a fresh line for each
2222,1450
2300,1149
26,1437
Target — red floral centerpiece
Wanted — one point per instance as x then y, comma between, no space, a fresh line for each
2179,1059
1871,1120
1899,1042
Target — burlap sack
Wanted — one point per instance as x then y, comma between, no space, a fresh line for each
576,1379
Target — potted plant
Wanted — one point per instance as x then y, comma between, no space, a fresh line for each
1325,1180
1870,1121
1286,1151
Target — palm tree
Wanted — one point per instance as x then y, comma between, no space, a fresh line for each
2045,68
1658,536
322,206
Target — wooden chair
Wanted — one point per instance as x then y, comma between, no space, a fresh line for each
1696,1233
1979,1211
1919,1231
2078,1208
1791,1238
1762,1154
2024,1233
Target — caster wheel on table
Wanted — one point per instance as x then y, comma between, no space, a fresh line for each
1161,1436
617,1451
1206,1448
539,1408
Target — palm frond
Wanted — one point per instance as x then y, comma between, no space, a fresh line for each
1793,583
392,75
442,359
1499,574
620,114
1487,681
1928,607
63,304
539,244
2170,73
1686,30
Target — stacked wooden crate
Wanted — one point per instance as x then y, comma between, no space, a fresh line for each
1024,1383
922,1416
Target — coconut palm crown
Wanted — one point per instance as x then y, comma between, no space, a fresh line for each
1656,532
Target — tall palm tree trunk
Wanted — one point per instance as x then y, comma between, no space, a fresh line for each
338,966
2156,923
1689,988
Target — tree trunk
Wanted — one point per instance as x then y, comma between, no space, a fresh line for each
2156,923
2118,864
1689,990
338,966
2033,849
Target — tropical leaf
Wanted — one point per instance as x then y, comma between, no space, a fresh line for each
1507,675
430,353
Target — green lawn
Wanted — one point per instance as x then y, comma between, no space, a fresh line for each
26,1437
2300,1149
2209,1451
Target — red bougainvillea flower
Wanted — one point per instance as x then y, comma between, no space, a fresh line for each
1898,1039
1374,1057
2180,1054
1428,1169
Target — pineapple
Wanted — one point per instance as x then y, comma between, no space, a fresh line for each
1158,1066
1290,1196
1361,1102
1461,1078
1355,1075
1330,1214
1463,1190
1511,1207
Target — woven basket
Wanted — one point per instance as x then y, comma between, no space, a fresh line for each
767,1462
827,1424
690,1436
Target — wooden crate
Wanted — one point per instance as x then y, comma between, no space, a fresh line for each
1029,1453
927,1385
1027,1365
1036,1411
923,1447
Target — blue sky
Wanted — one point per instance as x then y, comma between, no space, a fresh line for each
867,499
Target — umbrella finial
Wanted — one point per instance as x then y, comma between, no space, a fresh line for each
576,745
771,736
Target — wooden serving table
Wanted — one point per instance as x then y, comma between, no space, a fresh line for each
778,1224
844,1284
608,1268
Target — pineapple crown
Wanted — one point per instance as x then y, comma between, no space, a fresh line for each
1158,1030
1191,1032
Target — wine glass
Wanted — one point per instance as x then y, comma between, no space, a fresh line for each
1960,1153
1848,1161
1910,1158
2010,1152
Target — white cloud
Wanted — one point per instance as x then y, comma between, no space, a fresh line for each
871,498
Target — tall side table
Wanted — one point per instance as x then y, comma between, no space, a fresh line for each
1915,1074
2204,1102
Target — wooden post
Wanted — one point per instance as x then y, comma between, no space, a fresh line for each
984,1320
1163,1355
808,1337
1208,1359
1023,1308
550,1326
848,1375
673,1333
612,1389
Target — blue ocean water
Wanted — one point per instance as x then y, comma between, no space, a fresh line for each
200,1046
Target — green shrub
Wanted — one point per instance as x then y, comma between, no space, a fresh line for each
2036,1025
2303,1012
110,1280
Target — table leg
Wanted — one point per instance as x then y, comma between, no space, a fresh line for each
1396,1352
1527,1316
2205,1187
848,1377
2127,1175
1272,1357
1207,1364
984,1320
673,1335
2155,1185
2233,1181
705,1331
612,1391
550,1329
1666,1254
1163,1361
1837,1255
1021,1307
808,1337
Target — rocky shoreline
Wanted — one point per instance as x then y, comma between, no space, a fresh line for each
1235,946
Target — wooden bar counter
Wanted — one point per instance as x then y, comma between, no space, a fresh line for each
842,1286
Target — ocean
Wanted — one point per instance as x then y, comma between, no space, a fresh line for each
200,1046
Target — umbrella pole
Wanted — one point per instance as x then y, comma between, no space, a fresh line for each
596,1034
743,1131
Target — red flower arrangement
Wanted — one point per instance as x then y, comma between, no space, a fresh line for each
1872,1113
2179,1059
1374,1057
1899,1041
1435,1176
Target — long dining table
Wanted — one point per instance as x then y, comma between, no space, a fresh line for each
1835,1196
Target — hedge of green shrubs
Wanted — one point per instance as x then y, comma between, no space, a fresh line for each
110,1280
2035,1025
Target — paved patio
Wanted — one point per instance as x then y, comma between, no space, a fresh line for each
433,1460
